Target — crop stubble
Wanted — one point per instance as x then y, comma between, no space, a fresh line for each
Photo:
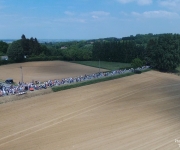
44,71
136,112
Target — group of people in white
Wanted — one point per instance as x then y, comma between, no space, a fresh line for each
23,88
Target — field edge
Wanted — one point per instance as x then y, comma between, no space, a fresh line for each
75,85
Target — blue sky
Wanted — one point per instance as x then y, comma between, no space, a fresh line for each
87,19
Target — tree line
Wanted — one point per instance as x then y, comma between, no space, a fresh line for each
26,49
120,51
71,50
160,51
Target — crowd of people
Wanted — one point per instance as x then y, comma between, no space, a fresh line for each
23,88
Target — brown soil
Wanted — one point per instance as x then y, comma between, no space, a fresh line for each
137,112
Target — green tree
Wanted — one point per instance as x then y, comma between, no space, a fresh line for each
23,37
45,50
25,45
164,54
37,47
3,47
137,63
15,51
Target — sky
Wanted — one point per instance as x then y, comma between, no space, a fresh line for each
87,19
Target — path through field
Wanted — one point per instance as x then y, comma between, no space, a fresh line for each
139,112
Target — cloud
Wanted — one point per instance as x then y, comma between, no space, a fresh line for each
28,18
157,14
70,20
69,13
95,17
124,13
125,1
100,13
171,4
83,17
140,2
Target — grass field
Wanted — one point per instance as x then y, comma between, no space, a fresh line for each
139,112
104,64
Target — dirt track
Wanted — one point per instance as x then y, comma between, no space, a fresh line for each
136,112
43,71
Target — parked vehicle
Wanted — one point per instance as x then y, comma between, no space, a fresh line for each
9,81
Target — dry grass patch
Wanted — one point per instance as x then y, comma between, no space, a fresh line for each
137,112
45,70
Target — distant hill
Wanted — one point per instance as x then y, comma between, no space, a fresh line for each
41,40
8,40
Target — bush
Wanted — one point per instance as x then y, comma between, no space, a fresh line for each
137,63
137,71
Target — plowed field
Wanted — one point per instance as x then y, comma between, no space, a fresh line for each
139,112
43,71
